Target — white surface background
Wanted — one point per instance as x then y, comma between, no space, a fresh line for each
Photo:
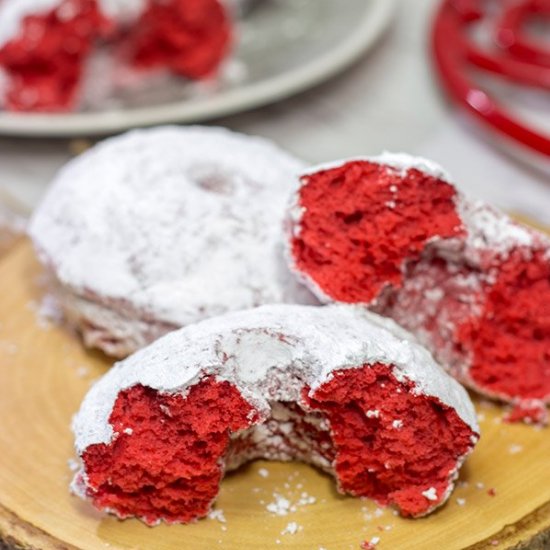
388,101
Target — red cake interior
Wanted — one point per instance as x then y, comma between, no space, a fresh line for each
169,465
45,61
171,451
391,444
510,341
363,220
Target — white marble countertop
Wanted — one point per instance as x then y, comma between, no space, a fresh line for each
387,101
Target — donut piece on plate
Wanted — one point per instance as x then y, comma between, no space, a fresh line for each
43,47
393,232
160,228
45,44
188,37
337,387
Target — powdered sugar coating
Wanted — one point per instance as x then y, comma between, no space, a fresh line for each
490,229
270,353
13,12
171,225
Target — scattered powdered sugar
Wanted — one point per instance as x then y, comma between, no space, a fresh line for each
187,223
306,499
514,449
263,352
217,515
397,424
430,494
263,472
280,507
461,501
291,529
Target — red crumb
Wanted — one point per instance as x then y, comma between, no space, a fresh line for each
169,467
45,61
190,37
366,545
510,341
530,411
377,460
351,243
492,492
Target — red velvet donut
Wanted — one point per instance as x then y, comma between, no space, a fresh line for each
337,387
393,232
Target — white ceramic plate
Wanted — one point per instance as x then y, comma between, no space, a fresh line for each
285,47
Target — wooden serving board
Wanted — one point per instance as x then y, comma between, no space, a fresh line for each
45,372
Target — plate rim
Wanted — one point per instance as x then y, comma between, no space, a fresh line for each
376,18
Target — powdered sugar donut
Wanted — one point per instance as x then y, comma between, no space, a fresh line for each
336,386
160,228
393,233
44,44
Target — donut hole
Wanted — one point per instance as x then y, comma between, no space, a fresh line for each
212,179
363,221
372,432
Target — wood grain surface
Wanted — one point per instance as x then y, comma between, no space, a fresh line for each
45,372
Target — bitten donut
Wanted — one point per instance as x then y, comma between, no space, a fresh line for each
160,228
44,44
337,387
393,232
